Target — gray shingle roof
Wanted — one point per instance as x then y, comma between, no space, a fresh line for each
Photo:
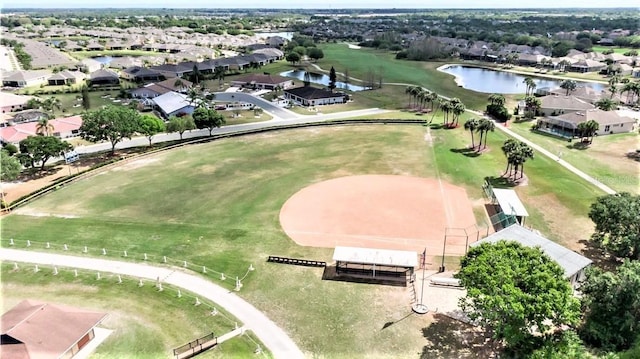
569,260
171,102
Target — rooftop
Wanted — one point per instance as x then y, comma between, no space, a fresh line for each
376,256
569,260
171,102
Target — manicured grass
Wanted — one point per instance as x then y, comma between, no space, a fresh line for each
69,100
620,50
217,205
361,61
604,159
146,323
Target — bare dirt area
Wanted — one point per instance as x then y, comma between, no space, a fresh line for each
378,211
26,184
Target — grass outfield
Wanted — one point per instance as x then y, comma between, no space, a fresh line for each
217,204
137,316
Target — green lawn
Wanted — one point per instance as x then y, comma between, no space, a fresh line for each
115,53
620,50
146,323
217,205
71,103
604,159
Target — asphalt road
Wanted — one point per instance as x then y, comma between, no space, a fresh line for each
267,106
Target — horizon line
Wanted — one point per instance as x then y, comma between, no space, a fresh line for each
322,9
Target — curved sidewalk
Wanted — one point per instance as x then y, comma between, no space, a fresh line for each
273,337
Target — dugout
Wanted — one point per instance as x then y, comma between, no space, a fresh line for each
510,205
375,264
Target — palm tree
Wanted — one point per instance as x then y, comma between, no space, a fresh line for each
446,107
471,125
613,85
195,96
588,129
524,152
528,81
44,127
487,126
497,99
508,147
628,88
433,99
563,65
568,85
532,105
457,109
606,104
50,105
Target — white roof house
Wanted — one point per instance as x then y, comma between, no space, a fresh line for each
571,262
385,257
173,103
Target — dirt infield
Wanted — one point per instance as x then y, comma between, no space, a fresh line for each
379,211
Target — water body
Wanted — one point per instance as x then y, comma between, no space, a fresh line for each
264,35
105,60
321,79
491,81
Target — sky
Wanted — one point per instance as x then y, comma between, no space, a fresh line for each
315,4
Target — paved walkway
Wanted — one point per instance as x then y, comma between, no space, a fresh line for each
273,337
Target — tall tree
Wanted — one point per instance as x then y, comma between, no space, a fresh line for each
180,124
86,100
9,166
497,99
150,126
332,79
568,85
471,125
446,107
208,118
42,148
509,146
293,57
612,303
315,53
484,127
532,105
457,109
617,225
516,292
530,85
112,123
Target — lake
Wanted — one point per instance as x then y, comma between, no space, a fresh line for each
321,80
491,81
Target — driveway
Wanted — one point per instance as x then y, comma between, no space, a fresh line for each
272,336
267,106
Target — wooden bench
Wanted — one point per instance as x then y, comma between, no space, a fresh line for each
296,261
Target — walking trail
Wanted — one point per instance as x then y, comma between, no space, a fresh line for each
273,337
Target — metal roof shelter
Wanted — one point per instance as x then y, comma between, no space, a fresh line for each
572,262
376,256
510,203
375,265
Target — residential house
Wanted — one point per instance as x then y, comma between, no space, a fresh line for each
271,53
566,125
553,105
62,128
161,88
25,78
173,104
572,263
586,65
584,93
263,81
172,70
104,77
34,329
94,46
141,74
66,77
89,65
311,96
11,103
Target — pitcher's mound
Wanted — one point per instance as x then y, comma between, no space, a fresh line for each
378,211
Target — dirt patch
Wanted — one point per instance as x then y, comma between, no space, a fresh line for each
13,190
135,164
378,211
